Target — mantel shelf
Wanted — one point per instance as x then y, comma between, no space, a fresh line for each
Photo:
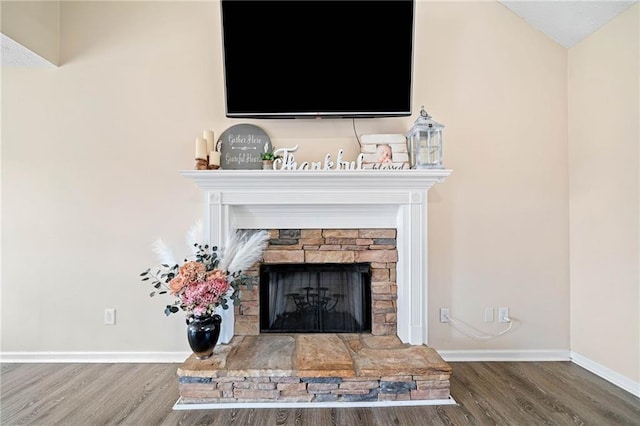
320,180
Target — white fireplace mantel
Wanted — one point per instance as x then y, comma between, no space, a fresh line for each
257,199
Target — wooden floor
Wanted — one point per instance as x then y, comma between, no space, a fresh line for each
487,393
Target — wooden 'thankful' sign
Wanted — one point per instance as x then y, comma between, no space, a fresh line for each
241,146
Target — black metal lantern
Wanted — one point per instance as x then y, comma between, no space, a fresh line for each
425,143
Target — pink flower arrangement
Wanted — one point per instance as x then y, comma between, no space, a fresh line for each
199,291
201,285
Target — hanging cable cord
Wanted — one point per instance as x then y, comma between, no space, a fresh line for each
355,132
471,332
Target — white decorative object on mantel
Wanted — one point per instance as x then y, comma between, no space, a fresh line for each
425,142
307,199
287,161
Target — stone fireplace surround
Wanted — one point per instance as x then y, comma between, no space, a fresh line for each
339,246
336,199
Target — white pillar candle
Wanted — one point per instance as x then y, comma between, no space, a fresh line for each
214,158
208,135
201,148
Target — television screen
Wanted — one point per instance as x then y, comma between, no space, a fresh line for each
307,59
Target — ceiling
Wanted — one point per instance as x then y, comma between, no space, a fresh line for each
565,21
16,55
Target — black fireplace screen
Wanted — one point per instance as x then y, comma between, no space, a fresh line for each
315,298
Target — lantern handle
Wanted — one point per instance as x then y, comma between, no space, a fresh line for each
423,113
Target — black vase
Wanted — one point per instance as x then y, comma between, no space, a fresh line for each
203,333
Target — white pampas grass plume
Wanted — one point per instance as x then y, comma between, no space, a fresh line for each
242,250
164,253
194,236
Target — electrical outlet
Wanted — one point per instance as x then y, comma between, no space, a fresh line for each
109,316
444,314
488,315
503,315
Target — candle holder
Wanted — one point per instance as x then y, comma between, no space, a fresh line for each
200,164
213,167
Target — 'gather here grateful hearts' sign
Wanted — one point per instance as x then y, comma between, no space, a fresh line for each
241,146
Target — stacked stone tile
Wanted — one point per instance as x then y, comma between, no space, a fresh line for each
376,246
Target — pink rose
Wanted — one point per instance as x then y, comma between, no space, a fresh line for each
192,271
176,284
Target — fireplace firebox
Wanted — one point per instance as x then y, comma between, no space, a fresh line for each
315,298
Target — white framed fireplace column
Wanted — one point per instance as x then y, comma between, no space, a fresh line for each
351,199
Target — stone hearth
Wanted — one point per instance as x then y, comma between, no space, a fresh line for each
315,368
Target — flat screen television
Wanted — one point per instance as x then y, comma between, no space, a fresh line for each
314,59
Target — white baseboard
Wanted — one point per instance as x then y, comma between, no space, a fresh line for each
171,357
93,357
504,355
160,357
606,373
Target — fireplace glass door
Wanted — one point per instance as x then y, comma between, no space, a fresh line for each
315,298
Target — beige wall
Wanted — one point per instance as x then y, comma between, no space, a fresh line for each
498,226
604,196
91,153
33,24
